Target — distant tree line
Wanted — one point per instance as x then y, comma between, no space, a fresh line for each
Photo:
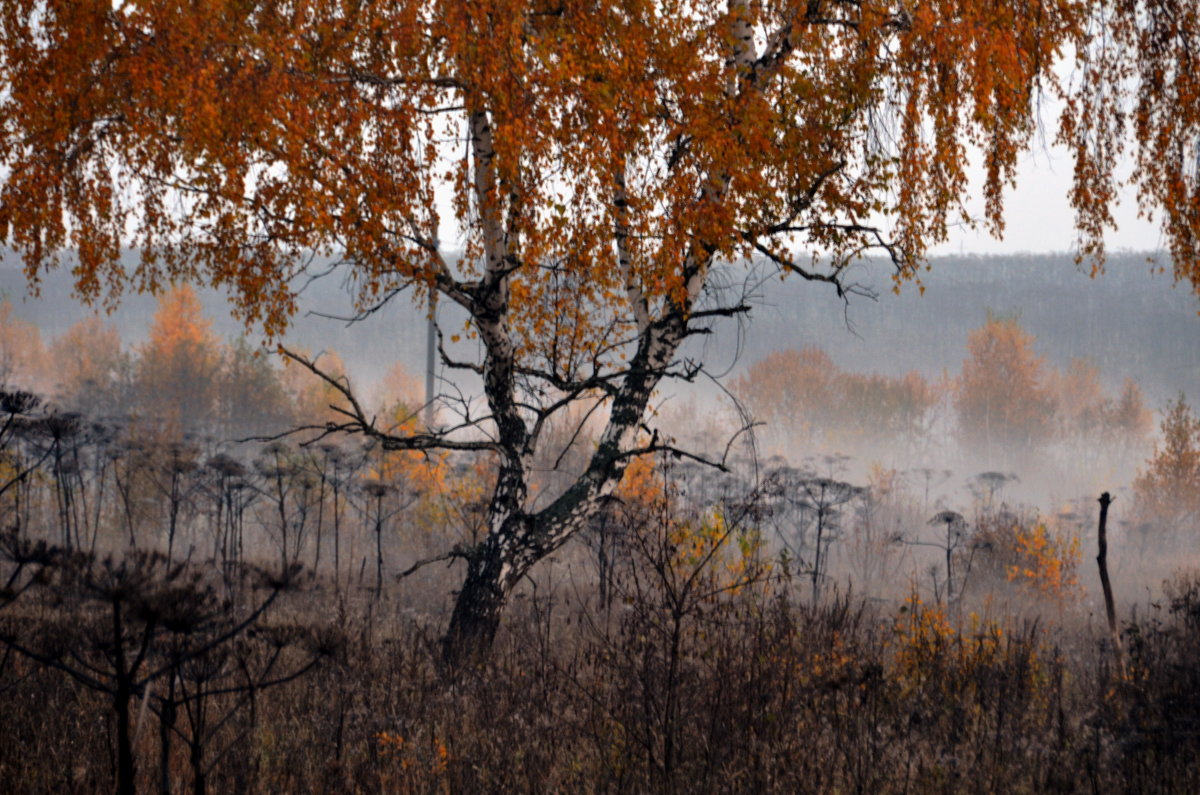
1007,405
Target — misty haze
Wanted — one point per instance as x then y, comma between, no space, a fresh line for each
522,396
950,466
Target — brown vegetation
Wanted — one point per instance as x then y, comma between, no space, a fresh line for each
702,638
810,403
615,156
704,674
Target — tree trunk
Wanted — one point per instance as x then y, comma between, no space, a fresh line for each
166,723
125,768
476,612
1110,609
199,783
122,695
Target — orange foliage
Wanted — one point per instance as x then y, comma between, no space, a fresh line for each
177,372
20,351
728,555
1128,418
180,325
1046,562
1010,402
408,765
921,634
440,495
420,473
254,133
615,153
805,397
642,487
1002,400
1082,407
1040,557
86,357
793,391
931,651
398,386
1085,410
315,400
1168,490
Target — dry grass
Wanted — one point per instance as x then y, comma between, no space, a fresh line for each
747,691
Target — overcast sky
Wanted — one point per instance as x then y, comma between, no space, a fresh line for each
1037,212
1039,215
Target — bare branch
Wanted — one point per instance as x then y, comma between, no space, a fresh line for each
456,552
358,421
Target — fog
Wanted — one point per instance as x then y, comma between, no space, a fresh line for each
1129,325
872,538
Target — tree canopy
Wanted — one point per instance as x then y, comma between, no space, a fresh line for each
598,157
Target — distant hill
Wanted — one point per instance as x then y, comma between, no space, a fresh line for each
1130,321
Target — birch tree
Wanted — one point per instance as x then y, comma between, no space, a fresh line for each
600,158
